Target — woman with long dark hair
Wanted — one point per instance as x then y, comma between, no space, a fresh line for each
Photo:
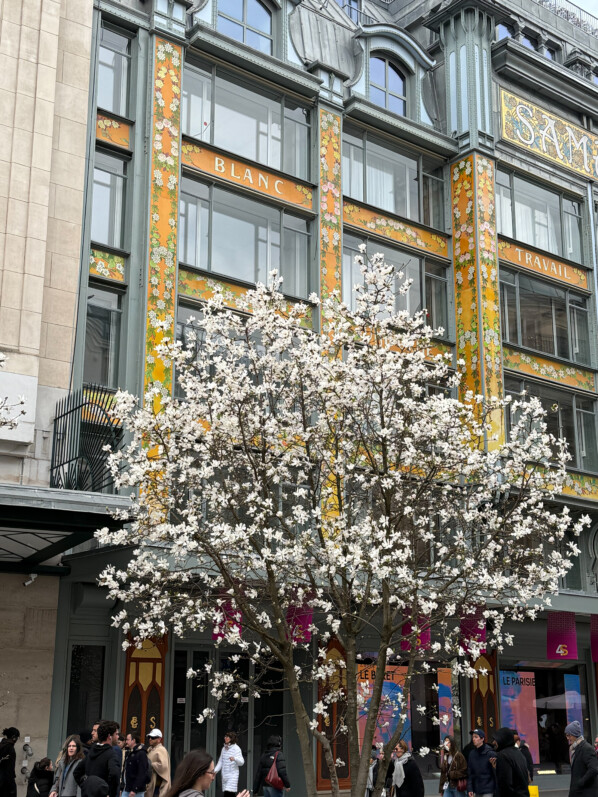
453,769
194,775
65,784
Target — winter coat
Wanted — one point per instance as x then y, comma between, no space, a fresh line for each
584,770
137,770
160,763
40,782
413,785
67,786
529,761
264,765
8,777
452,772
511,771
481,775
98,763
230,769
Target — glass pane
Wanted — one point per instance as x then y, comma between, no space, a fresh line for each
580,338
247,123
378,71
86,686
352,173
199,700
196,103
586,433
396,105
396,82
245,237
259,17
107,201
378,96
561,328
194,218
391,181
351,271
102,333
537,216
436,302
295,260
536,308
258,41
113,72
508,313
232,8
504,213
296,141
572,222
179,692
433,201
232,29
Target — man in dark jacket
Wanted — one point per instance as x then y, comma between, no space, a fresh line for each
481,774
525,751
584,764
99,766
512,778
137,770
8,757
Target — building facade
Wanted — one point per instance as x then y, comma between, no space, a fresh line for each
158,148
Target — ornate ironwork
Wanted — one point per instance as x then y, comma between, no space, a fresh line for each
83,428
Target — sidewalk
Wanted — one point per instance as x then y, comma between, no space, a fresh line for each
549,785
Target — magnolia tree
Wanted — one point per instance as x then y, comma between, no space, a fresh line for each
10,411
315,486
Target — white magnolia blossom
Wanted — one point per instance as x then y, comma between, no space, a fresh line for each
314,487
10,411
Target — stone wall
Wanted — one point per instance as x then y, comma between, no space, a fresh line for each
45,61
27,660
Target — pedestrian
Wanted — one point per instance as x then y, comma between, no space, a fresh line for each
41,779
8,757
64,784
407,779
272,755
98,773
194,776
231,758
481,770
584,764
137,770
372,772
468,747
85,736
453,769
160,763
525,751
512,778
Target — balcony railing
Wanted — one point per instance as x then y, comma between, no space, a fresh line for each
83,427
574,14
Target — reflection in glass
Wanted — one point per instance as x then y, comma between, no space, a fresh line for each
102,338
113,72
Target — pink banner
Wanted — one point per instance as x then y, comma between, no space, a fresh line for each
299,621
445,702
424,636
594,636
473,629
518,707
230,620
561,636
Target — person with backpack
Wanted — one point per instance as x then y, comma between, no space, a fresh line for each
8,757
98,774
71,754
272,769
41,779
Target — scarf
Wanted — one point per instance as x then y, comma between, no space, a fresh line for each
398,776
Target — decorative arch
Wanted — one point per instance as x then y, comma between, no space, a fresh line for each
143,699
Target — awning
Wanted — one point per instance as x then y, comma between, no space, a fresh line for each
38,524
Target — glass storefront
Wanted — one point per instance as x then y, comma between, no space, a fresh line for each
540,701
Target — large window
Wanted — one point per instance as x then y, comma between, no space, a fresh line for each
234,236
102,337
539,217
542,316
429,285
256,124
399,181
570,416
387,85
108,200
113,71
86,686
246,21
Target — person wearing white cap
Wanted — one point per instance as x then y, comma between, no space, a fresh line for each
160,763
584,764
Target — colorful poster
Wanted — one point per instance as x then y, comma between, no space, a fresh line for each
445,702
561,636
518,707
573,699
391,706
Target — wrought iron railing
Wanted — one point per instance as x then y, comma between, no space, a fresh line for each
83,427
574,14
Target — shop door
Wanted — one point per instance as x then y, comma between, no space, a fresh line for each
189,699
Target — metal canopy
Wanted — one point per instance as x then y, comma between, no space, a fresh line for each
38,524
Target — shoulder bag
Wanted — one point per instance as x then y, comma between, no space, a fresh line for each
273,778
